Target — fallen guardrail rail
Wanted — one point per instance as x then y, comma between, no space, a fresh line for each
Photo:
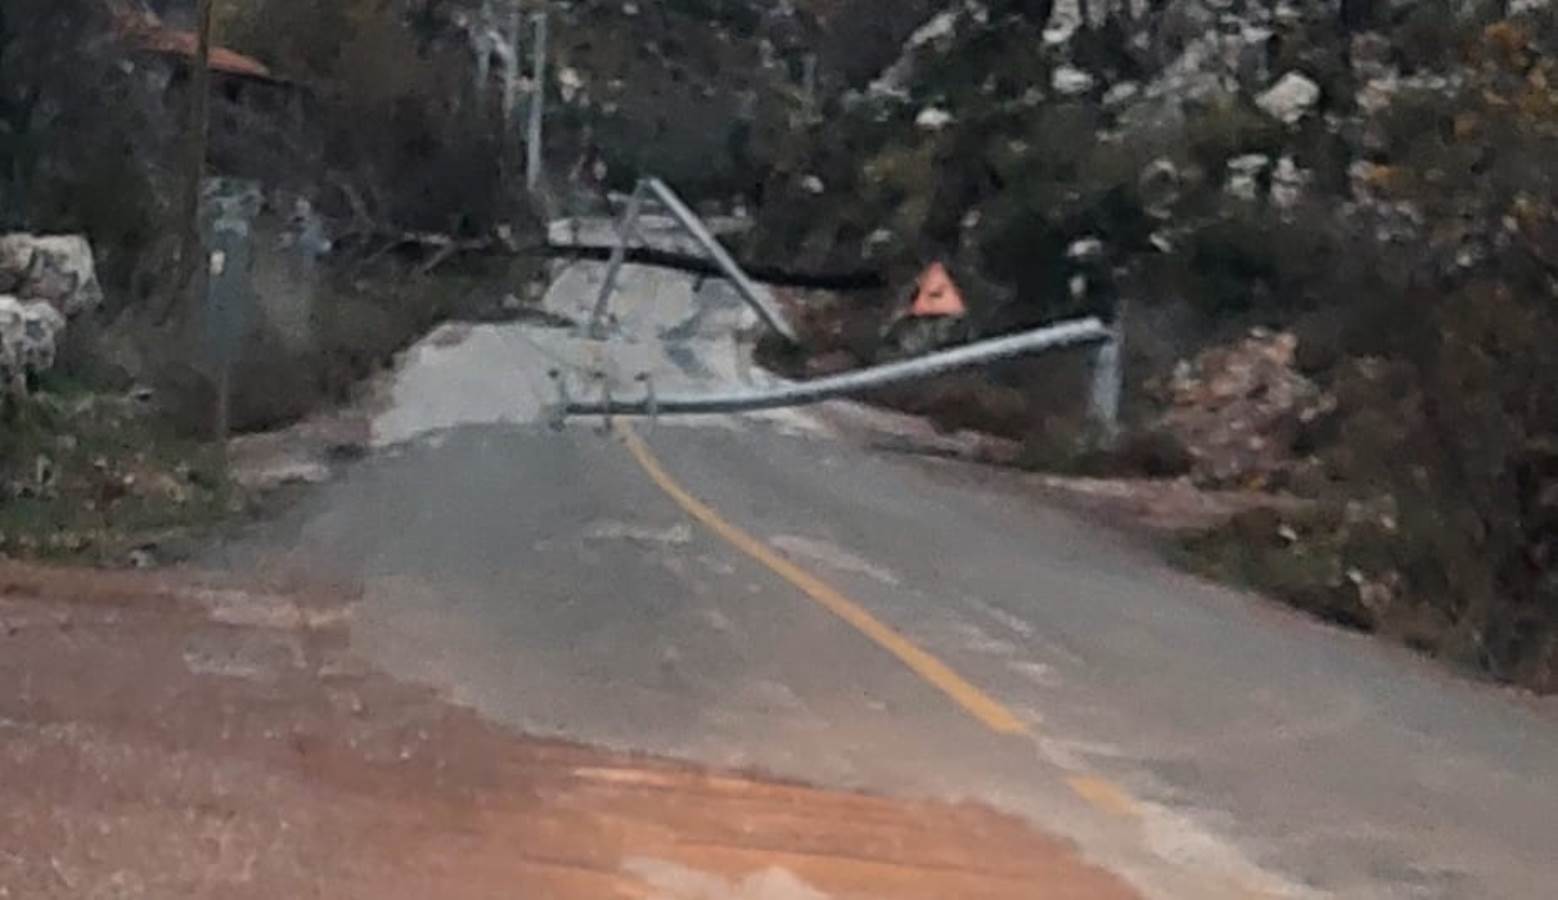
1076,333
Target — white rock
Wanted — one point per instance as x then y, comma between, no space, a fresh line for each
1121,93
1288,182
569,83
933,118
1065,20
940,27
55,268
813,185
1249,163
1069,81
29,336
1159,187
1085,249
1242,174
1290,99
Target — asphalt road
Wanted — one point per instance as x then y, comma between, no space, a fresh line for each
1230,748
759,593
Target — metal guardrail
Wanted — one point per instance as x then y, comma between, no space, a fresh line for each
1068,334
756,296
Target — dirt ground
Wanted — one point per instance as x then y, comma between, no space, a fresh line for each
173,736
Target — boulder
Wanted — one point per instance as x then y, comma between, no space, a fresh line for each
57,269
29,338
44,280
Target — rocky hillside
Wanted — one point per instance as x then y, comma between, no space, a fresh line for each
1372,178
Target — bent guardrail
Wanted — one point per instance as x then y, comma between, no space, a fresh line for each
1067,334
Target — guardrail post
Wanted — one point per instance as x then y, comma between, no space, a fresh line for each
1104,397
1108,382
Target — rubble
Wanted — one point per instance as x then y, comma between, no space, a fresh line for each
1238,409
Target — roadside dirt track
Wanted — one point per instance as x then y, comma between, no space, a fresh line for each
173,736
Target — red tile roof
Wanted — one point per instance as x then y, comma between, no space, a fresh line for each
146,31
173,42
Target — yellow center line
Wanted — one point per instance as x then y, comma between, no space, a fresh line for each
1101,793
989,711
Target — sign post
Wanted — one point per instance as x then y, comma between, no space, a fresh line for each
231,207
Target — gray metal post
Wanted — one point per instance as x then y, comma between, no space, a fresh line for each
533,158
1104,404
756,297
626,227
1108,384
231,209
1066,334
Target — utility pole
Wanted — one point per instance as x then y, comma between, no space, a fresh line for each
533,160
197,126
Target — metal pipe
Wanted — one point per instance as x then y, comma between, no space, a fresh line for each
533,158
1053,337
755,296
626,227
1107,386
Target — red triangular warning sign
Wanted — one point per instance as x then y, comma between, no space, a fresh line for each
936,296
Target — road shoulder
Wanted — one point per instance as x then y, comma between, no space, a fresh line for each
176,735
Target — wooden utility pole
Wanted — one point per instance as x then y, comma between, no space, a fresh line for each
192,262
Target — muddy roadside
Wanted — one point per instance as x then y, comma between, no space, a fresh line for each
174,735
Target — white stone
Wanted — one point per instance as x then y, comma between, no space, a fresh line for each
1242,174
933,118
1121,93
813,185
1290,99
1085,248
29,337
570,84
1070,81
56,268
940,27
1287,183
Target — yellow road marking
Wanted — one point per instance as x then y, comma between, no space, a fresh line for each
1104,795
1100,793
975,702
